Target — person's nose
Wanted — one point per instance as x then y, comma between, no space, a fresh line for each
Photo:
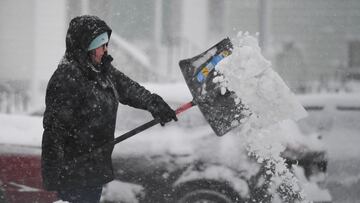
105,47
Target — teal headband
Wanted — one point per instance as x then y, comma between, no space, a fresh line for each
98,41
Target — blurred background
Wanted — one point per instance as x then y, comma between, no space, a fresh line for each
313,44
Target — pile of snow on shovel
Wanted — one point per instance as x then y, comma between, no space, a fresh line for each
250,75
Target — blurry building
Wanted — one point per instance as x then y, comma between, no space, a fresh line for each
324,34
353,66
308,41
32,43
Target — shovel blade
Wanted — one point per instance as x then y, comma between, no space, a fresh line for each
221,108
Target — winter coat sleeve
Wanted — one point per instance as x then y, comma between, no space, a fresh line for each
130,92
62,99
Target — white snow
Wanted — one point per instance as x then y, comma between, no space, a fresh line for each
20,130
266,146
337,119
60,201
122,192
259,87
271,102
311,188
24,188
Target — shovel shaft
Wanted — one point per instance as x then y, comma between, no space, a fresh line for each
135,131
151,123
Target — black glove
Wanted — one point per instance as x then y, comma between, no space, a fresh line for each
106,62
160,110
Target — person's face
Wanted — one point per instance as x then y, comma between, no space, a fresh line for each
98,53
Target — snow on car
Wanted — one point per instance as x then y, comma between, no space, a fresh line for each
336,117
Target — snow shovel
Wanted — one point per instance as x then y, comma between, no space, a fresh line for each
222,110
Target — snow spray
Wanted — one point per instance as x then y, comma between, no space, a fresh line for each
260,88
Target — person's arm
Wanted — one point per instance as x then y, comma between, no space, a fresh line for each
130,92
62,98
133,94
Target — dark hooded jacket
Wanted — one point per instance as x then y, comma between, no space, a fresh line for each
81,108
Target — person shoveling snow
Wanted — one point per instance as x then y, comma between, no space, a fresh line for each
236,89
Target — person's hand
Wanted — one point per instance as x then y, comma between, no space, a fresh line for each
160,110
106,62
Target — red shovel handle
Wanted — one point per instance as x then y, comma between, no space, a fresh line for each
184,107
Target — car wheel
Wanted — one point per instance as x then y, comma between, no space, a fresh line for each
2,196
205,192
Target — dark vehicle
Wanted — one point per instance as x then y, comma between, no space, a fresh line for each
182,162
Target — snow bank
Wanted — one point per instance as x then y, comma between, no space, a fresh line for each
121,192
118,191
21,130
